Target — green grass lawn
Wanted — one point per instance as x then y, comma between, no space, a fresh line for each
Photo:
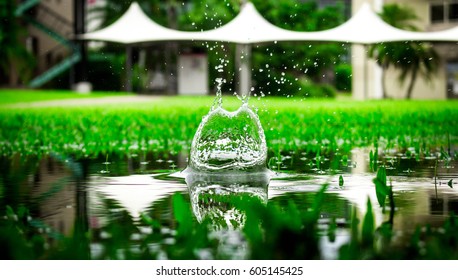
168,124
13,96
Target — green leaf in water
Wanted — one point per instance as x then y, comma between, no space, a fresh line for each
371,160
354,226
318,160
375,164
450,183
381,189
408,154
444,154
10,213
334,164
182,214
345,160
341,181
149,221
367,233
318,202
332,230
22,212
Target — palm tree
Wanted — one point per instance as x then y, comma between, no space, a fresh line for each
417,59
411,58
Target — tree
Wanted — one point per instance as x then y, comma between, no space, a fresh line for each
417,59
289,63
277,67
16,62
411,58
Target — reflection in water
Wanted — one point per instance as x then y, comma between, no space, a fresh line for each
66,195
215,195
57,194
217,198
135,193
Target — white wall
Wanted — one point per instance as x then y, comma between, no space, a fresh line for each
192,74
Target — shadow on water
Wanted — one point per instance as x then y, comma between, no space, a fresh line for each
94,205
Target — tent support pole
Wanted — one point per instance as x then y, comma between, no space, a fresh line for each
128,86
243,65
365,74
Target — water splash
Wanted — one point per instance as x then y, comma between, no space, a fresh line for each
227,164
229,140
218,102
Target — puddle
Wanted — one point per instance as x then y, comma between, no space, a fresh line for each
59,192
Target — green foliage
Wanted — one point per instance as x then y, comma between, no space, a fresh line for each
20,238
105,71
399,16
381,188
343,80
367,232
271,62
112,10
15,60
309,89
341,181
207,15
183,216
318,160
373,159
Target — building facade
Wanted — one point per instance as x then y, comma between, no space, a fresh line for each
57,16
434,15
51,27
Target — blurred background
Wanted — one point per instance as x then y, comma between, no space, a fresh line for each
39,50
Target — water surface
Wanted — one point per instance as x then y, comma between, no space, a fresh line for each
58,191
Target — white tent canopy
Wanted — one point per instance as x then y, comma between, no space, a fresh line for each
134,26
365,27
448,35
249,27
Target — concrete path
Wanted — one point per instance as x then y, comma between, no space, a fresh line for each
87,101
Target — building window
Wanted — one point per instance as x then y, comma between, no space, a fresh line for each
453,12
452,79
437,13
443,12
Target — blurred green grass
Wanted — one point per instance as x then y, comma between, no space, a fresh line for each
14,96
168,124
